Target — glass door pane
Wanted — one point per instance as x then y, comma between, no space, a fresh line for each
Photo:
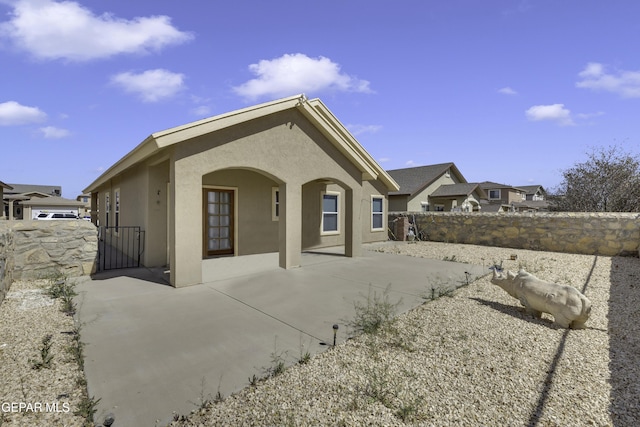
218,222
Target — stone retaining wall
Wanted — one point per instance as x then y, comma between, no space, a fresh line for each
581,233
6,248
35,249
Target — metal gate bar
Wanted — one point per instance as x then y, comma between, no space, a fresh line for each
120,247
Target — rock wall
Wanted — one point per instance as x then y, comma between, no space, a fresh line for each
36,249
6,247
582,233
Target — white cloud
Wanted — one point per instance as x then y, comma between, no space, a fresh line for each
410,163
555,113
360,129
507,91
201,111
67,30
291,74
12,113
624,83
587,116
384,159
51,132
151,85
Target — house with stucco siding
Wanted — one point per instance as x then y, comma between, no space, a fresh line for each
284,176
439,187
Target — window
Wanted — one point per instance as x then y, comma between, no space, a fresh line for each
377,213
330,213
439,208
424,206
494,194
107,209
117,210
275,204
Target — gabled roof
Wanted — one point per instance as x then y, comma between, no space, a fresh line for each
414,180
532,189
7,186
26,196
49,190
52,201
488,185
457,190
314,110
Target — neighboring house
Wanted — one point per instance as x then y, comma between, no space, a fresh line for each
506,198
438,187
85,210
35,206
284,176
24,201
535,193
4,214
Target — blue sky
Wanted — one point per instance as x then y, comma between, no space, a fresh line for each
510,91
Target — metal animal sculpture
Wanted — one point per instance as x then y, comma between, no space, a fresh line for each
568,306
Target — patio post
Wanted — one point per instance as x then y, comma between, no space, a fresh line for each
290,223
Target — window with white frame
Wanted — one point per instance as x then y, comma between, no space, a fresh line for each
494,194
330,213
275,203
377,213
424,206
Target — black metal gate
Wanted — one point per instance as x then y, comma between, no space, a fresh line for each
120,247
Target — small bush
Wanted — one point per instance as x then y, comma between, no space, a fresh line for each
45,354
376,314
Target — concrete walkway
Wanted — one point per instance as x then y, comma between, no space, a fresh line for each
152,349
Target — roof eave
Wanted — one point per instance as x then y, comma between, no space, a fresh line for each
315,111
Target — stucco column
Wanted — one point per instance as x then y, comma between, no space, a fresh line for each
353,222
290,225
10,210
185,226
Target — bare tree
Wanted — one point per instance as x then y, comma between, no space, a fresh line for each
609,181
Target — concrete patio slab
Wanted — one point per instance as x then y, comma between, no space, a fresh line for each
152,349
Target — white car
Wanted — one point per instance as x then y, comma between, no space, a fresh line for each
55,215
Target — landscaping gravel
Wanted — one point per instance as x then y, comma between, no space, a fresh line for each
29,396
469,358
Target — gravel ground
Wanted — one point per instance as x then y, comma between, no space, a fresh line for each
471,358
466,359
37,397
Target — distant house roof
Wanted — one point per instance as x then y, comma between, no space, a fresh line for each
52,201
457,190
7,186
51,190
532,189
488,185
26,196
414,180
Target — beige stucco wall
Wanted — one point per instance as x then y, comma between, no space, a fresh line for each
582,233
283,147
